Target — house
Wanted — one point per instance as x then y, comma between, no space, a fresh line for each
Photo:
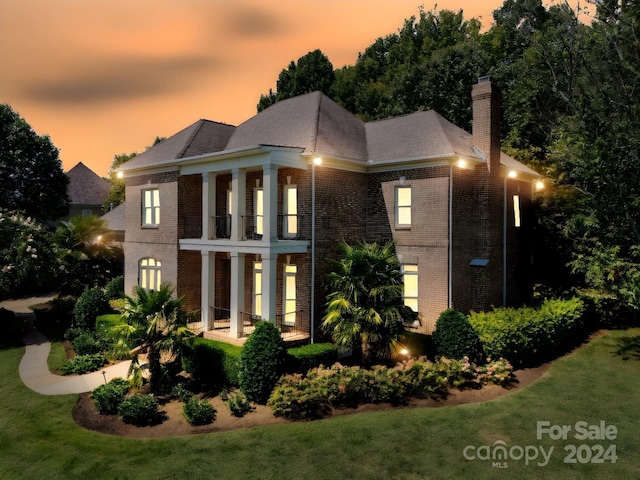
242,219
115,222
87,191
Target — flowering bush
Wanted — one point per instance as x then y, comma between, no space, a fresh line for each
298,396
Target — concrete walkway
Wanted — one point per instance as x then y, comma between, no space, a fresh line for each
34,371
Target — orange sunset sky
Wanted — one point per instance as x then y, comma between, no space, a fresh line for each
102,77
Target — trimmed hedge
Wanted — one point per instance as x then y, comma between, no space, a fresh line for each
211,362
91,303
454,337
529,336
302,359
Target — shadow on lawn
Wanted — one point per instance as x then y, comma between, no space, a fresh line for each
629,347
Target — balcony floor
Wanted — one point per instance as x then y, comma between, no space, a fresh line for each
221,332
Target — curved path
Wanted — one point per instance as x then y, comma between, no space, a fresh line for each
34,371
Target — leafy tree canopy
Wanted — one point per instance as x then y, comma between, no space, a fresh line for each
31,176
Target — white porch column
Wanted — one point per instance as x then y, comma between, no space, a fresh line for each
238,202
269,278
208,204
207,288
237,293
270,199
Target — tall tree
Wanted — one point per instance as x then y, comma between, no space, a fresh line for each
31,176
312,72
365,308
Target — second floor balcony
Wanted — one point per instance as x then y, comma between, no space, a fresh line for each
289,227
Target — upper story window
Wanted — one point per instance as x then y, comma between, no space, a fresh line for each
150,273
151,207
229,202
516,211
290,207
259,210
257,289
403,206
410,274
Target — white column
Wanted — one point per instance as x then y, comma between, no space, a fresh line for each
207,288
208,204
237,293
270,199
239,202
269,278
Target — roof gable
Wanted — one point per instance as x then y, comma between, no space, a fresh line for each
86,187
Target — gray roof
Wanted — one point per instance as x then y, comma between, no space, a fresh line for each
86,187
320,126
115,218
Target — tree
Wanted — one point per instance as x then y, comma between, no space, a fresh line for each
313,72
87,258
365,308
158,319
27,256
31,177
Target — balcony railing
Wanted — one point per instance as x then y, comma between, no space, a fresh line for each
221,227
290,325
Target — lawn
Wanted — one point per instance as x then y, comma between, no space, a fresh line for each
38,438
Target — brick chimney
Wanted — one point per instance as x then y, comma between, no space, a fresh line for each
486,100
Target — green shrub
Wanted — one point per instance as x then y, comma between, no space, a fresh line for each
83,364
528,336
91,303
12,328
198,412
211,362
107,398
454,337
261,362
302,359
114,289
72,333
238,404
181,393
140,409
85,344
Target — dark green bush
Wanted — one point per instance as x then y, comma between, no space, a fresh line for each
302,359
528,336
198,412
83,364
90,304
85,344
455,338
107,398
262,362
114,289
140,409
12,329
211,362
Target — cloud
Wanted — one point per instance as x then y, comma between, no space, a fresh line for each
253,22
122,78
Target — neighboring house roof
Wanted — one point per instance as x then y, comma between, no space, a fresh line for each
86,187
320,126
115,218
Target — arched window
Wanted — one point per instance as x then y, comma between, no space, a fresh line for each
150,275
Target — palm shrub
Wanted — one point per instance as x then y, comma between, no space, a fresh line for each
454,337
262,361
158,320
365,308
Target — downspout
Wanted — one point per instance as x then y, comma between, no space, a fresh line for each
449,302
504,246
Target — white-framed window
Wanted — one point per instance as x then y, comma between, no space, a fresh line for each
410,295
516,211
403,206
258,207
150,273
87,213
289,290
290,207
151,207
257,289
229,202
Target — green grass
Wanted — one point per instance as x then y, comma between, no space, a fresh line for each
38,438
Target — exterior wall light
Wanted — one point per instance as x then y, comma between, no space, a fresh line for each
512,174
539,185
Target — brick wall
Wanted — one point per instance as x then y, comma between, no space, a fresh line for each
189,274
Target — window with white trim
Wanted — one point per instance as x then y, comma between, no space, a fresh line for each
403,206
410,295
150,273
229,202
151,207
258,206
290,207
290,306
257,289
